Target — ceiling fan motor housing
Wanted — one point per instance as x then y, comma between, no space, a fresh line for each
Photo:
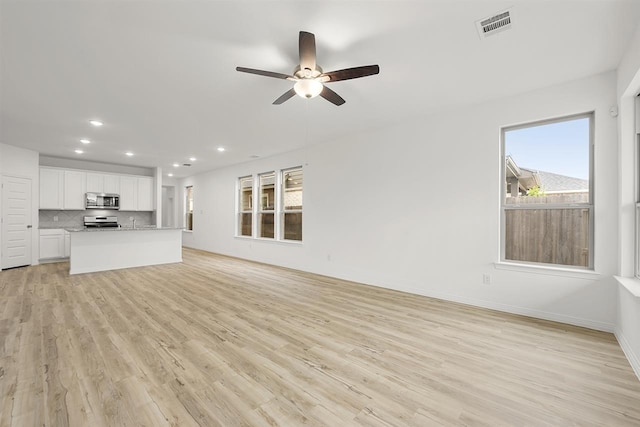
308,76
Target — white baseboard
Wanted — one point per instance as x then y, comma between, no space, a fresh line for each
524,311
634,360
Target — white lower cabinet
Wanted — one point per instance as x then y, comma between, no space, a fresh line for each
53,244
67,244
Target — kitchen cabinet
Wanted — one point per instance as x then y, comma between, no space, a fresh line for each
128,193
67,244
103,183
136,193
75,188
51,188
62,189
52,244
145,193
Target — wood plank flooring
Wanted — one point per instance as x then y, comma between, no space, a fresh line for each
217,341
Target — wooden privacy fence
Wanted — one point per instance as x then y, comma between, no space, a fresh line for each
554,235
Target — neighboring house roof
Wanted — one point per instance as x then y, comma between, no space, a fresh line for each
555,183
549,182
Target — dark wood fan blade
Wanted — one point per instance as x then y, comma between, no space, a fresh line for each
331,96
285,96
307,48
351,73
264,73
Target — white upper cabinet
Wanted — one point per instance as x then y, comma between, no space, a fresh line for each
145,193
128,193
95,182
75,188
62,189
111,183
136,193
51,188
103,183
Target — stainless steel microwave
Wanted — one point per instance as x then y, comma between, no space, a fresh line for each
102,201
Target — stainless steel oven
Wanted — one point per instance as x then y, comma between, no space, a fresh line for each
100,221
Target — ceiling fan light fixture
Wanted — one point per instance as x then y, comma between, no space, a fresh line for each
308,88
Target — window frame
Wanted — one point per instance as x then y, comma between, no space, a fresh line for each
283,211
240,210
257,210
550,206
637,186
260,206
188,191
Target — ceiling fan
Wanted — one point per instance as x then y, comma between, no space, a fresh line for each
310,78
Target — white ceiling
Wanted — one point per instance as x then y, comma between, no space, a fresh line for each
161,74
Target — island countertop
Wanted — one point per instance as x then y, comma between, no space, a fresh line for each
104,229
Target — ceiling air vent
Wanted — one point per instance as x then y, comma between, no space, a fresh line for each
494,24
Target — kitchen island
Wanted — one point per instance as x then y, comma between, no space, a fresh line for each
101,249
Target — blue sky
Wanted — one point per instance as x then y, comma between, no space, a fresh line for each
561,148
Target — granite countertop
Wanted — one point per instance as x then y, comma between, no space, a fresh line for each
138,228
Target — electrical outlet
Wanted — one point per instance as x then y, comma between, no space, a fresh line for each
486,279
328,257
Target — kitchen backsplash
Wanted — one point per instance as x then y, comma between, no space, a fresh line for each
75,219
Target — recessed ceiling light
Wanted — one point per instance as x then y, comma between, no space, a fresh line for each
175,165
129,153
169,174
221,149
193,159
79,151
85,141
97,123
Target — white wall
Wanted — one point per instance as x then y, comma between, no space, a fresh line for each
23,163
628,320
416,208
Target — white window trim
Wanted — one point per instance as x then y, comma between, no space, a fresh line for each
504,263
281,209
278,211
637,186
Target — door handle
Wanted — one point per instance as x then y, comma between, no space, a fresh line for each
29,226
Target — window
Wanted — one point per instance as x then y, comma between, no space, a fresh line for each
277,210
245,210
266,213
292,204
188,217
547,201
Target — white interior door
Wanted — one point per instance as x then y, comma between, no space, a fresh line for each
16,222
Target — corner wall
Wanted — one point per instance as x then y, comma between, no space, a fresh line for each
628,305
416,208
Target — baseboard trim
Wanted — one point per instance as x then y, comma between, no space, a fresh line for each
633,359
523,311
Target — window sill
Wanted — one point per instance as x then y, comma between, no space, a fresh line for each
631,284
262,239
548,270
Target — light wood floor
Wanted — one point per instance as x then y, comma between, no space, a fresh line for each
221,341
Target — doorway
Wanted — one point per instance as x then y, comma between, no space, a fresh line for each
16,222
168,206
